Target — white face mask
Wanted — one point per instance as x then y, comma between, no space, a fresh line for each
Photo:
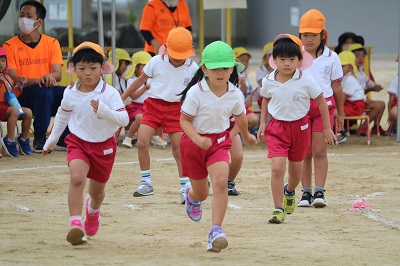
26,25
171,3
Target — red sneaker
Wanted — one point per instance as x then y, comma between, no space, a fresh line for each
374,131
92,221
363,130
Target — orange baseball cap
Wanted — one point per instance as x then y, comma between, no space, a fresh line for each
307,60
180,44
107,68
312,21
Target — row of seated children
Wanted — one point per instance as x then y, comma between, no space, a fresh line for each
127,70
12,112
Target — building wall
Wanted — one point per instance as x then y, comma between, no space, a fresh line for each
377,21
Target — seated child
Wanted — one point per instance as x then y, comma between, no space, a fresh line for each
393,103
243,56
263,70
11,114
122,61
375,109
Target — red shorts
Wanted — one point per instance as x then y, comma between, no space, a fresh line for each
3,112
315,116
195,160
159,113
134,109
288,139
394,103
354,108
99,156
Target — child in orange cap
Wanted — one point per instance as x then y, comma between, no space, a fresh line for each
93,110
170,71
286,97
327,72
209,100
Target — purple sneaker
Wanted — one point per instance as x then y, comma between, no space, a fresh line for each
193,209
216,240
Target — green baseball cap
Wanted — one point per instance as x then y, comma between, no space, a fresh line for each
219,54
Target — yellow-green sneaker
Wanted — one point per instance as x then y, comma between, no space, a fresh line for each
278,216
289,202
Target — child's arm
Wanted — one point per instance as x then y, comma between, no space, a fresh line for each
118,116
338,95
140,92
186,124
263,118
60,123
389,105
329,136
134,86
241,121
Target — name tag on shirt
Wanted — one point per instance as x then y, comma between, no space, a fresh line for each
108,151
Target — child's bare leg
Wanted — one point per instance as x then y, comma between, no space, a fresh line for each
12,118
175,138
26,123
295,170
219,177
145,133
97,194
135,125
306,180
236,153
376,112
278,169
78,170
320,157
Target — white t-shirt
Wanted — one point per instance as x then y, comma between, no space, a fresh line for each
290,101
211,113
244,75
76,111
393,87
260,74
145,94
352,88
325,69
168,81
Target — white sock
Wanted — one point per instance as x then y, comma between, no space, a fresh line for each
146,176
91,210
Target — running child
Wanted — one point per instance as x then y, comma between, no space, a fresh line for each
208,102
327,72
286,97
11,114
94,111
170,71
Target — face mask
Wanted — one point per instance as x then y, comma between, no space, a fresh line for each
26,25
171,3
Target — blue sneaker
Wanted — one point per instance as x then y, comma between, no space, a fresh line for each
193,209
9,146
24,145
216,240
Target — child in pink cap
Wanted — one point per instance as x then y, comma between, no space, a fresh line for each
286,96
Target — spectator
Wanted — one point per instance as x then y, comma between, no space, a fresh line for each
38,58
345,40
161,16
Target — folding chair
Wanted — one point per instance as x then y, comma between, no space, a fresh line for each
363,118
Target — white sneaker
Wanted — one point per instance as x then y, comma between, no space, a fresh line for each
183,196
157,141
127,142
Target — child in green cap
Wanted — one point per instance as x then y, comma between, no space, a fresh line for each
209,100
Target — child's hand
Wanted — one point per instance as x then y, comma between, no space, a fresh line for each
45,152
329,136
260,132
1,76
251,139
204,142
95,105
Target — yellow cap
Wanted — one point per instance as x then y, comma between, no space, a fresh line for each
238,51
268,48
138,58
357,46
120,54
348,58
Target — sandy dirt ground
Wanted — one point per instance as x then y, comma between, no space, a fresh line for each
155,230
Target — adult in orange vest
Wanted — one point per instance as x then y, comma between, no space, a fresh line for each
159,17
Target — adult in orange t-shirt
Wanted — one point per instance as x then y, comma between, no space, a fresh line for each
161,16
37,57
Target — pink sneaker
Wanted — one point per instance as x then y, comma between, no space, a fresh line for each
76,235
92,222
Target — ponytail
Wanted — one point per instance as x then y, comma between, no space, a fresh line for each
196,78
234,78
